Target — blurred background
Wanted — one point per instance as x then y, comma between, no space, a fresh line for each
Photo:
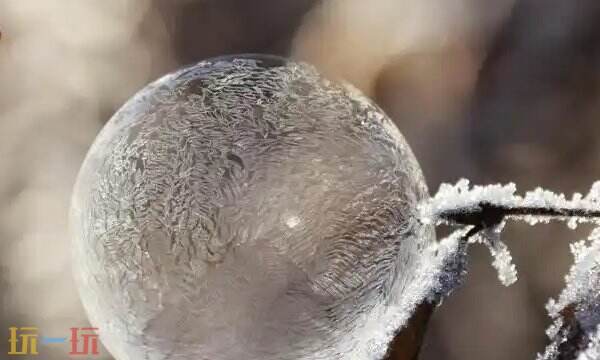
491,90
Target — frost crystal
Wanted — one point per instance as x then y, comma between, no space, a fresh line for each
592,352
439,270
463,197
576,312
507,272
487,207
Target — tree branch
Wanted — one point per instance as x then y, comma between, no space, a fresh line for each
486,215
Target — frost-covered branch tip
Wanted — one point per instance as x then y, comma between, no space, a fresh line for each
487,206
484,210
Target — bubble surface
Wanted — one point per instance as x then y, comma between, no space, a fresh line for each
246,207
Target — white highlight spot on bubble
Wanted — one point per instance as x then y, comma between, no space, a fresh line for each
292,221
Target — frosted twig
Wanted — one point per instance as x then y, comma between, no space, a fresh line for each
486,208
482,211
575,333
486,214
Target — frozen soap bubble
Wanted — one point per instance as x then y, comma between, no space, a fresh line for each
246,208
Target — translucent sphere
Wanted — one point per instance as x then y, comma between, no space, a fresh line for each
245,208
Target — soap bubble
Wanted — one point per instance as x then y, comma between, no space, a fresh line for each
246,207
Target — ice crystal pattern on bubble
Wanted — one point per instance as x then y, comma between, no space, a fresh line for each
248,208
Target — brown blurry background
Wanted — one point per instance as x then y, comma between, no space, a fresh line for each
491,90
